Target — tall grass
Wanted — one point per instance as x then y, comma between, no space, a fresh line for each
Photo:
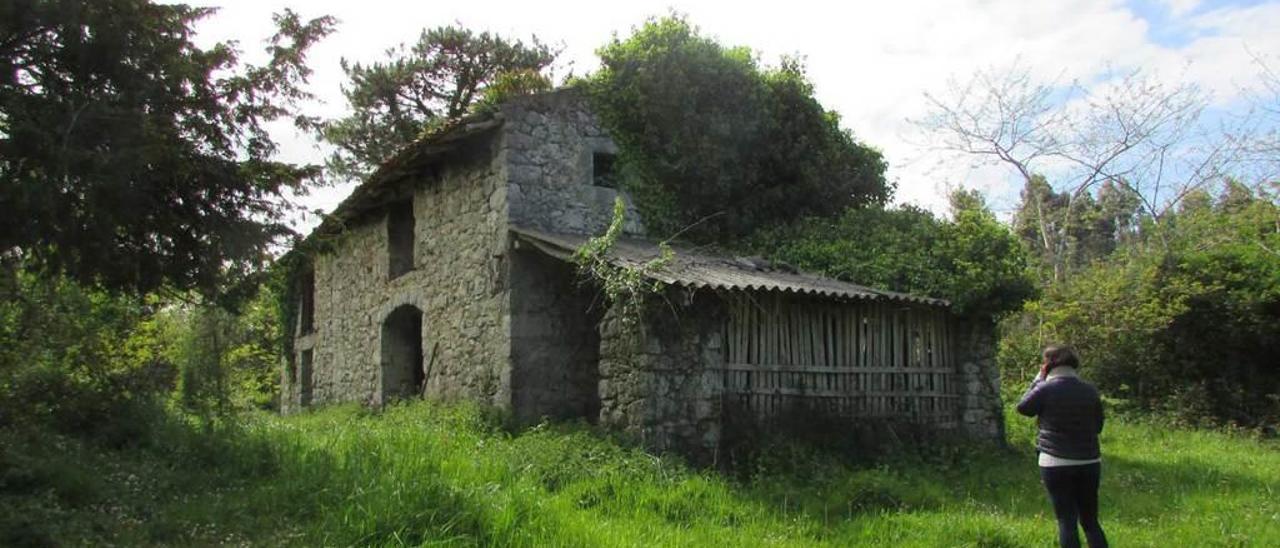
425,474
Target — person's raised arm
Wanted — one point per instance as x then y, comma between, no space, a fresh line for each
1030,403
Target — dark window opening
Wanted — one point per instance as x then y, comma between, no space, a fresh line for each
307,302
400,238
304,378
402,365
603,170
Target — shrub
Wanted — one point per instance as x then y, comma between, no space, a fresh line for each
80,360
1188,327
714,145
973,260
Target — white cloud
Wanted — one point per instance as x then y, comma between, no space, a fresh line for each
1178,8
872,62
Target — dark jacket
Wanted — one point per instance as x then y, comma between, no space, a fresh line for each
1070,417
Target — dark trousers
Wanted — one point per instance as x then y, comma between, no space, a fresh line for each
1073,490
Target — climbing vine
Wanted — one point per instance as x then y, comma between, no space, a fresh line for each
285,280
628,288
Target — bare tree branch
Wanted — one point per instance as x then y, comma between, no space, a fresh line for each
1146,136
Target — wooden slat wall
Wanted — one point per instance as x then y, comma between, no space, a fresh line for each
852,359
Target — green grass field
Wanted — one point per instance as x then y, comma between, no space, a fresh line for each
424,474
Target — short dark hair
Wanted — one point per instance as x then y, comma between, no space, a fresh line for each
1060,354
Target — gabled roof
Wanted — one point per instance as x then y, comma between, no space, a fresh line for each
381,187
697,269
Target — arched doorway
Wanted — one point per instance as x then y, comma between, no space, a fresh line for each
402,373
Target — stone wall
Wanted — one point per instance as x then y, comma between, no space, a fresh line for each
550,141
554,343
535,171
660,381
458,282
510,327
978,376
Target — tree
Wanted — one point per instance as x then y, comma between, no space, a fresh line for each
714,146
1191,328
1039,221
1094,229
1118,221
1139,134
983,267
437,79
134,159
225,362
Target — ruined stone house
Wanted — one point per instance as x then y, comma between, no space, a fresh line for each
448,275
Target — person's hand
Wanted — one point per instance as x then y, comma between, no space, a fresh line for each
1044,371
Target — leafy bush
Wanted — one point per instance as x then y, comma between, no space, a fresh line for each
99,365
1187,325
716,145
79,360
973,260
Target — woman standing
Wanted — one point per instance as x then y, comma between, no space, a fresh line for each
1069,415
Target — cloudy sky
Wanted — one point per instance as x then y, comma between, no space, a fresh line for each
872,62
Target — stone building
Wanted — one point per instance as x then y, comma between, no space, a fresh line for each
447,275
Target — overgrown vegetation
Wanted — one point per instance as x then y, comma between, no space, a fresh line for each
626,287
1184,320
424,474
79,361
129,402
971,260
227,361
1169,290
94,364
715,146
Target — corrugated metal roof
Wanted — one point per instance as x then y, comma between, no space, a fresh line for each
699,269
